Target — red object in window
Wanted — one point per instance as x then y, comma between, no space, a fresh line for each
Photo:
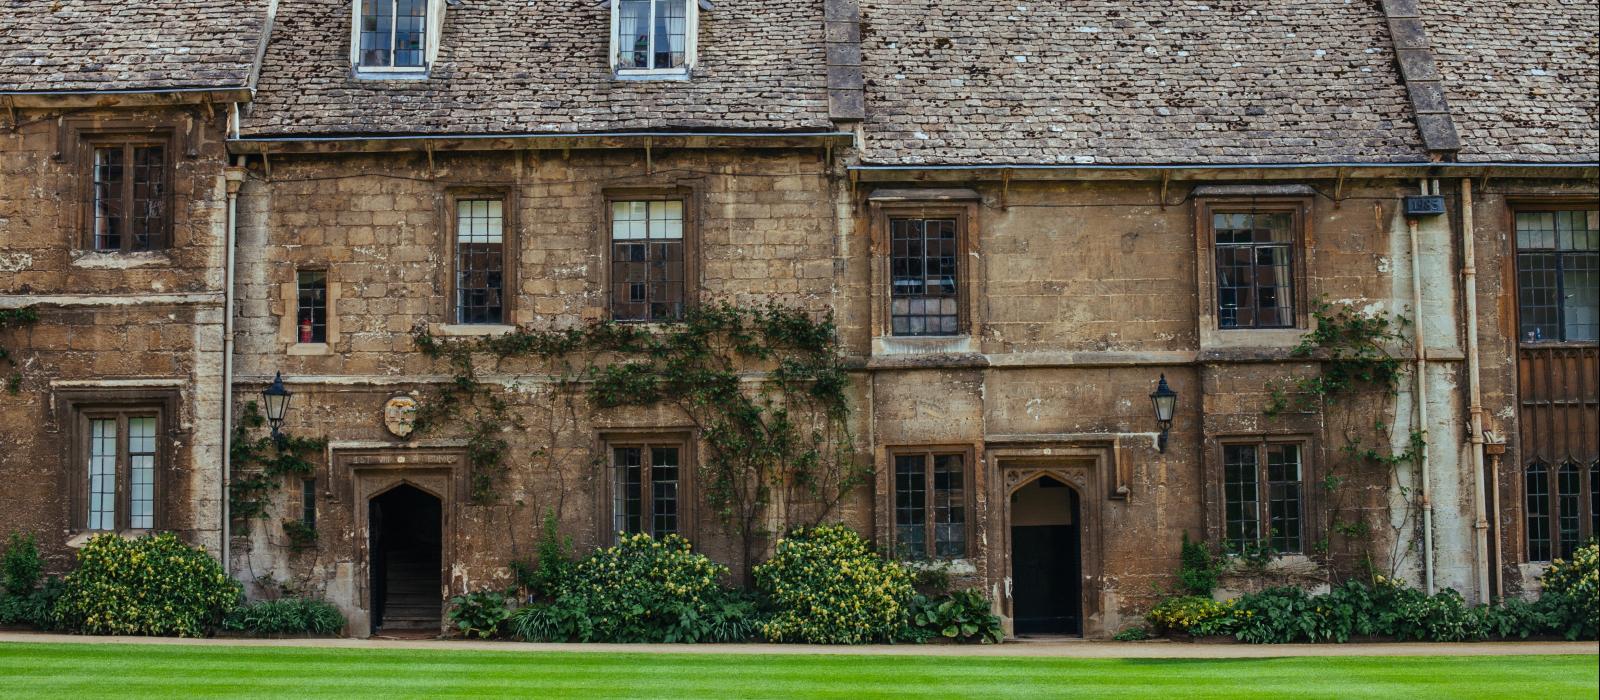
305,330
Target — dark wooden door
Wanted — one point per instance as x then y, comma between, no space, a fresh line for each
1046,579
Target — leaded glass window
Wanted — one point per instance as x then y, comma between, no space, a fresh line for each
1561,508
646,481
311,306
924,294
647,260
1254,269
122,455
930,500
480,261
1263,483
393,33
652,35
1558,275
129,195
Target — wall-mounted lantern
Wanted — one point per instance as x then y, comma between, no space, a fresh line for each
1165,401
275,399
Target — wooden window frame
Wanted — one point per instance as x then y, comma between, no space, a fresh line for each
691,243
691,46
432,29
687,464
326,307
965,214
78,407
509,247
1530,205
1310,506
90,140
969,498
1301,248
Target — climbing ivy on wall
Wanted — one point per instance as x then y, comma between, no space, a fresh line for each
260,465
765,387
1354,386
11,318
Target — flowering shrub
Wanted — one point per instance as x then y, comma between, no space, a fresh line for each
1572,589
828,587
154,585
307,616
641,590
1195,615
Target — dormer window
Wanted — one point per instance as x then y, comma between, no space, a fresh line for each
653,38
395,36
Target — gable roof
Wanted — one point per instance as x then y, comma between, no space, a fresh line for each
1523,78
540,66
1106,82
87,45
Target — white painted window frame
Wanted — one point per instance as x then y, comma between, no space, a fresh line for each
691,44
430,49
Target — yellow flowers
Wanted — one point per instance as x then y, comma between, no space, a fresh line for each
153,585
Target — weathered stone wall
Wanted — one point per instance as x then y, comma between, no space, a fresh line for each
109,323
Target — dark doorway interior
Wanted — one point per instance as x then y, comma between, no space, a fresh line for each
1046,559
404,525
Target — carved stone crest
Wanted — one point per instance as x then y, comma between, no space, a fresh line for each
400,415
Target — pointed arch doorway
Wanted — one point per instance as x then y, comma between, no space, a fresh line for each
1046,558
405,559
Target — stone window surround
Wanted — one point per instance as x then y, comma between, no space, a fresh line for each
691,44
509,246
961,205
288,312
691,239
76,406
969,487
688,464
85,136
1212,335
1311,504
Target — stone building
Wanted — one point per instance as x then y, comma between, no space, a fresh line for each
1022,218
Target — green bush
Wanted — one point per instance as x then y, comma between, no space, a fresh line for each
1136,633
155,585
1572,589
962,616
481,613
1196,615
641,590
543,578
21,565
1198,568
33,609
828,587
293,616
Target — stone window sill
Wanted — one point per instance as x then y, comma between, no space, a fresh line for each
924,345
310,349
98,260
471,329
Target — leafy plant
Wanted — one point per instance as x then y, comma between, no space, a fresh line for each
21,564
552,564
286,616
154,585
302,536
828,587
1198,567
962,616
1573,591
261,464
1196,615
12,318
641,590
1136,633
481,613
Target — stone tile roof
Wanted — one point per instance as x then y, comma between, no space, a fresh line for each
1102,81
68,45
514,66
1523,78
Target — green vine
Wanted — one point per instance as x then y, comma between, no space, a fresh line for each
1355,385
12,318
259,465
301,535
765,386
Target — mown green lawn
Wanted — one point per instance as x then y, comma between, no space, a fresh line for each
128,671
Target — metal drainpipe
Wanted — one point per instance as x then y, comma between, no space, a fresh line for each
234,178
1422,402
1469,282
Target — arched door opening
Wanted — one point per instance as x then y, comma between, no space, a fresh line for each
1046,559
404,530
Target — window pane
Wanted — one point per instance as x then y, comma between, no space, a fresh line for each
924,278
1536,489
949,507
142,472
910,505
308,502
664,490
633,34
149,211
102,490
108,204
480,261
1568,514
1536,230
1254,269
1240,506
1284,497
1580,296
311,315
377,32
670,23
648,280
626,506
1558,275
410,32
